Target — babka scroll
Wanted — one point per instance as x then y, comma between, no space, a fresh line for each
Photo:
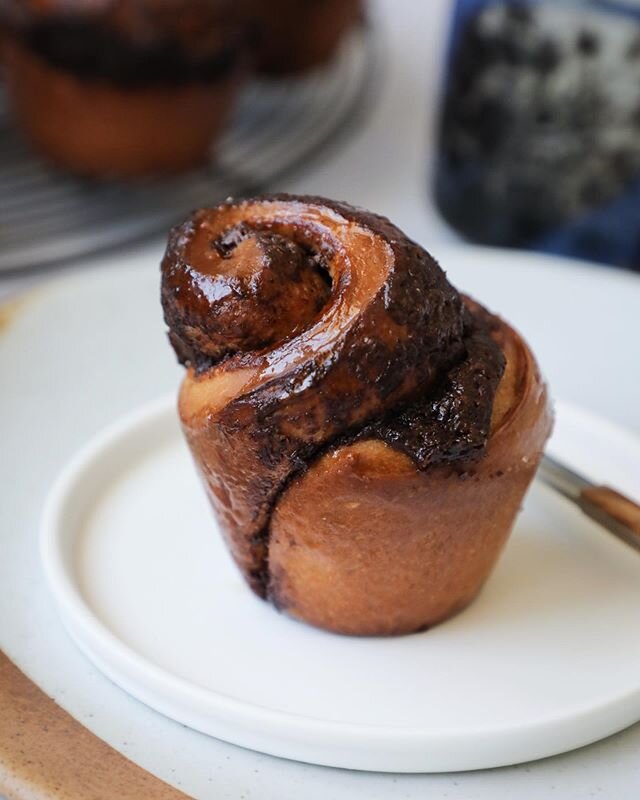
364,432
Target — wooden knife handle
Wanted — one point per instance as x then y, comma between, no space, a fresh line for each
617,512
45,754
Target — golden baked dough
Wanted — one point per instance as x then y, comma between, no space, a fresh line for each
366,458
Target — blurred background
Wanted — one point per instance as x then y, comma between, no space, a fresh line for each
119,116
539,124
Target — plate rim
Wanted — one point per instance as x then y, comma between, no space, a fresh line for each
144,679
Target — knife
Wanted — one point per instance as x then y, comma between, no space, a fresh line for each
612,510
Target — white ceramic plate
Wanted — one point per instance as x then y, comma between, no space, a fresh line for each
545,661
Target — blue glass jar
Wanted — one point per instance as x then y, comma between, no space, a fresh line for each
539,138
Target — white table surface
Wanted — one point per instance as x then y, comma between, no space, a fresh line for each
383,167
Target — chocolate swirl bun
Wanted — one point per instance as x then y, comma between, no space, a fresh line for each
339,391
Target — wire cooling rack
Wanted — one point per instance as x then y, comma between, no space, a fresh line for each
48,216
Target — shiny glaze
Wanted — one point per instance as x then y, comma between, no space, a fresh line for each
453,424
365,543
393,354
235,300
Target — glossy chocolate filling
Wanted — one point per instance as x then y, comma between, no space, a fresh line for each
347,330
253,289
453,423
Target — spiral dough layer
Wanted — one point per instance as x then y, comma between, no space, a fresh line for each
306,324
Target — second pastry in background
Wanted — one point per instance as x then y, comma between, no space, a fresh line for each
294,36
122,88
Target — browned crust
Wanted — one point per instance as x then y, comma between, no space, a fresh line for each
364,543
391,329
395,365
